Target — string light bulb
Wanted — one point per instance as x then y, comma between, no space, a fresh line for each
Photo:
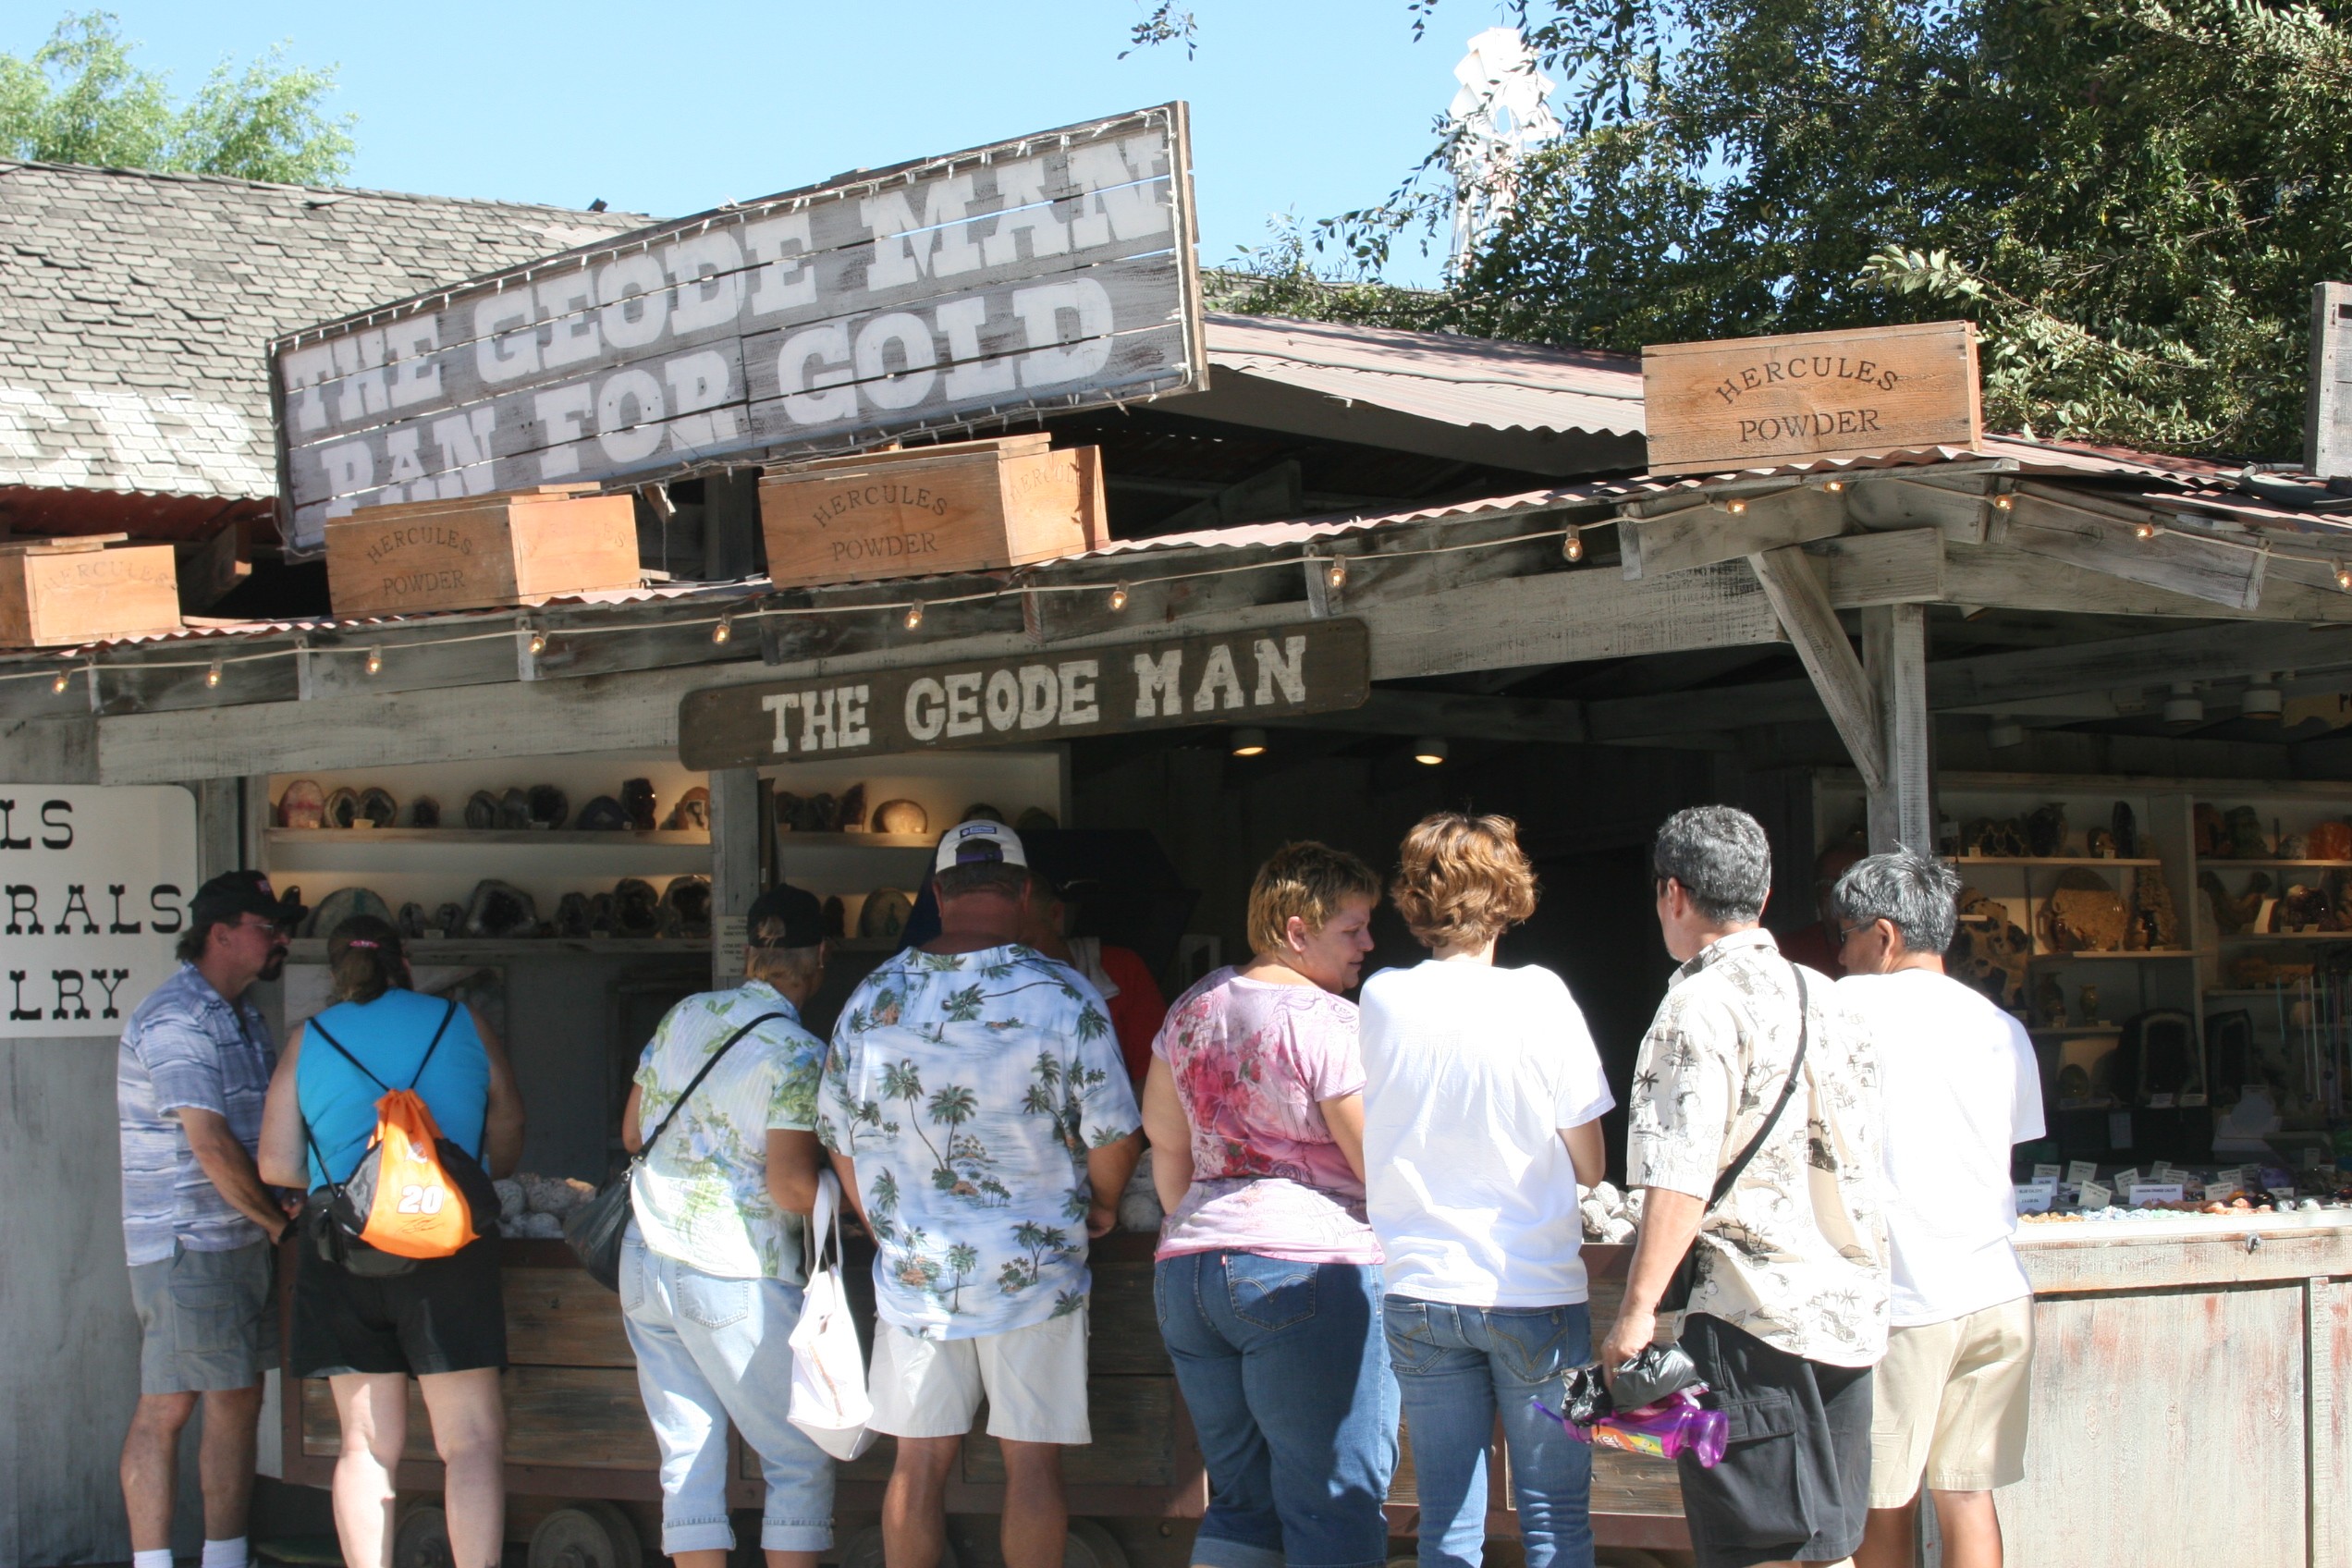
58,684
914,614
538,642
1834,486
1335,574
724,630
2003,502
376,660
1119,595
213,676
2343,575
2144,529
1572,544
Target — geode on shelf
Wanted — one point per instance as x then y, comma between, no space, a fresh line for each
500,908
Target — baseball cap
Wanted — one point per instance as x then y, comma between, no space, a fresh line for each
236,893
979,842
795,909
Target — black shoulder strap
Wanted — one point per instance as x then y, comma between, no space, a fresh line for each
1731,1175
647,1147
319,1029
436,1046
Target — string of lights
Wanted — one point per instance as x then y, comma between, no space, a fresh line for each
725,623
59,670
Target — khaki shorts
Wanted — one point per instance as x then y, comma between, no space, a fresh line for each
1953,1400
1034,1379
208,1320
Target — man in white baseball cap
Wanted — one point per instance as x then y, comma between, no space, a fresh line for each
976,1106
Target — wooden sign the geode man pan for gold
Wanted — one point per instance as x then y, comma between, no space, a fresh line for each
1257,677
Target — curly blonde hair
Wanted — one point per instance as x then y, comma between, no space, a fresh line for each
1463,880
1306,879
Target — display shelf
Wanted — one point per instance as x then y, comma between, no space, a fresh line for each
451,950
2143,952
2072,1030
519,855
2227,938
2218,862
536,837
787,840
2256,990
2059,861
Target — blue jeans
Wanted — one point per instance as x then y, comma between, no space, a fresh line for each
1457,1367
711,1350
1282,1369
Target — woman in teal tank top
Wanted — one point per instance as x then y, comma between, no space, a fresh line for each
444,1321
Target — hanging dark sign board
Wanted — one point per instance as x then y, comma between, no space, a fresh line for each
1051,272
1257,677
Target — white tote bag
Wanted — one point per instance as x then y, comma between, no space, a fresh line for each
828,1371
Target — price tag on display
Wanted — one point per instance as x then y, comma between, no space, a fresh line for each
2123,1181
2096,1196
2224,1182
2081,1170
2146,1193
2045,1174
2035,1198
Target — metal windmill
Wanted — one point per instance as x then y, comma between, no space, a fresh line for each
1502,112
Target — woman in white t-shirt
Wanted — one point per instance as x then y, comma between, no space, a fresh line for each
1482,1103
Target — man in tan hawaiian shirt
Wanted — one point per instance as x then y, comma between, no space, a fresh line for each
1788,1305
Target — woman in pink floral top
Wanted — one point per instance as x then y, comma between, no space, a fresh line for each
1268,1277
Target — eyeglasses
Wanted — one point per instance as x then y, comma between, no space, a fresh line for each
1847,933
261,922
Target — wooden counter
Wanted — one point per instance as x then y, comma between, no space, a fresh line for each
2186,1403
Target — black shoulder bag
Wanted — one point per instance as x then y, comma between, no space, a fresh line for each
596,1229
1678,1289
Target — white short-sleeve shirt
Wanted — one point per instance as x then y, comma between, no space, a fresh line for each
1960,1086
1471,1072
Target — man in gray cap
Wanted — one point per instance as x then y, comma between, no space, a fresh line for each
198,1224
712,1271
976,1104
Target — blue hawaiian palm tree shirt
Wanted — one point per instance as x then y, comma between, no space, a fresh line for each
968,1088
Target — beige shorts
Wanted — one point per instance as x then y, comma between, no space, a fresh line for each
1952,1403
1034,1378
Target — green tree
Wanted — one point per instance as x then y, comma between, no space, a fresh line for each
2132,197
81,99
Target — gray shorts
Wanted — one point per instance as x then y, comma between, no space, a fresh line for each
209,1317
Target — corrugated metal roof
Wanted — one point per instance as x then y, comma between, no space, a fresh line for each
1435,375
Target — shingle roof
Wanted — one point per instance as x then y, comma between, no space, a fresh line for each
134,308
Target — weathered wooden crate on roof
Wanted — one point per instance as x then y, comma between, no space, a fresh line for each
56,592
481,551
968,505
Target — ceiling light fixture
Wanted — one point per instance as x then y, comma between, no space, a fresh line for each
2263,700
1429,751
1249,743
2184,707
2005,732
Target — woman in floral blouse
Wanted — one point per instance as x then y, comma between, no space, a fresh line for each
1268,1279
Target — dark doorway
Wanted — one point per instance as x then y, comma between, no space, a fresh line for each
1594,927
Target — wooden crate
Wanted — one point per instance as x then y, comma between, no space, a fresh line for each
969,505
56,592
481,552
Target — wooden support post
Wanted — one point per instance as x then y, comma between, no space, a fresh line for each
1803,605
220,831
1894,657
735,865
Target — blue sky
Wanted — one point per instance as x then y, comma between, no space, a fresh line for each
1310,106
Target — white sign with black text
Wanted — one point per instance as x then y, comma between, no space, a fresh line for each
96,884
